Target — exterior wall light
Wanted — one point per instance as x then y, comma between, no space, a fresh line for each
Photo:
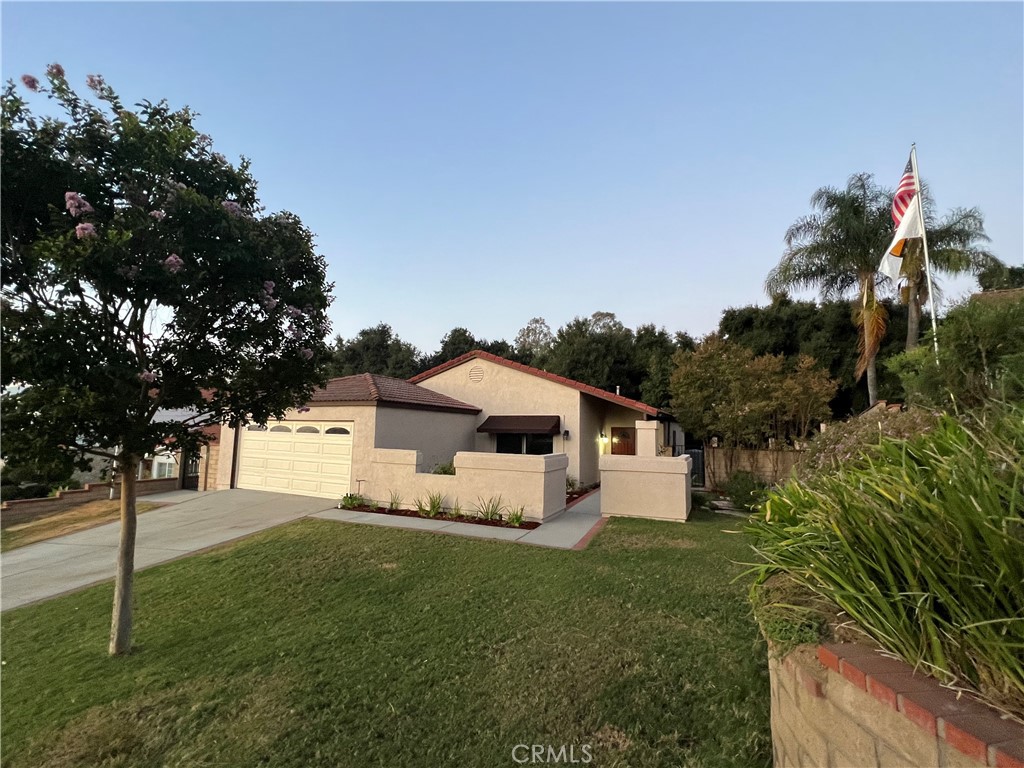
565,435
603,438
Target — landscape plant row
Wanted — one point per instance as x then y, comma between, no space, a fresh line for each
921,544
433,506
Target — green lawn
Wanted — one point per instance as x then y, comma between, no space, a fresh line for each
328,644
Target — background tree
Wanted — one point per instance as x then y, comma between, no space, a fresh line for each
533,342
598,351
459,341
953,248
999,276
837,250
823,332
374,350
138,274
981,356
722,389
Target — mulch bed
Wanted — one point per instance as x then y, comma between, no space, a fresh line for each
526,525
579,492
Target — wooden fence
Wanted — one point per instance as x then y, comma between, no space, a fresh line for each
767,465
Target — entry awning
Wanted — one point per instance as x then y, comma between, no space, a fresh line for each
528,425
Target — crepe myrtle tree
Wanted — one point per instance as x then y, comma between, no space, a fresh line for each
140,278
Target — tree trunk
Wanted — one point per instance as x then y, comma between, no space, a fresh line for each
121,621
913,314
872,375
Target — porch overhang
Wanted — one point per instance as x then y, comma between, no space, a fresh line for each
522,425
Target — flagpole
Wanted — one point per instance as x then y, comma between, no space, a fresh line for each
924,242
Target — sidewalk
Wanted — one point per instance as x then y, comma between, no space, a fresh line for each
564,532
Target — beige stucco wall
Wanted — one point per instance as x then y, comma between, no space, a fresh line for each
536,483
589,445
506,391
648,438
646,486
438,435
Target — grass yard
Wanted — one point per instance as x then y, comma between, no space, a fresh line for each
77,518
325,644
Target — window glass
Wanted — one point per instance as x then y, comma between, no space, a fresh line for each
308,430
337,431
255,428
510,443
538,445
280,428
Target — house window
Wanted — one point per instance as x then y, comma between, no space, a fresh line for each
534,445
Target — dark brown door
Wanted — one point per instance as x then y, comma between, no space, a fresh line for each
190,477
624,441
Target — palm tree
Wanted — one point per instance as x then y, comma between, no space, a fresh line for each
837,249
953,248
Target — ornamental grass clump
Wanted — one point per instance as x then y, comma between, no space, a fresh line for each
921,543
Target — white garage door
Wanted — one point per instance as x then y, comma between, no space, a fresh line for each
304,457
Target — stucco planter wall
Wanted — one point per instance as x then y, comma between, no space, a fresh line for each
846,706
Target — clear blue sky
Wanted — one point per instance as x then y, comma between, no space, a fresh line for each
474,164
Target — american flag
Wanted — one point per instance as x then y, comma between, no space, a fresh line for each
905,192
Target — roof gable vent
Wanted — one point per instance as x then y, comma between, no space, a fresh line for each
476,374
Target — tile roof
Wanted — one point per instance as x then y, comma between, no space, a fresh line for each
479,354
370,387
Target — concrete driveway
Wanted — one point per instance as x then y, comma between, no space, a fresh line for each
49,568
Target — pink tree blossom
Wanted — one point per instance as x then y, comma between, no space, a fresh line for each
232,207
31,83
306,354
158,215
55,70
85,230
147,376
76,204
173,263
95,82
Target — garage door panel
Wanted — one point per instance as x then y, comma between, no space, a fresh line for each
308,463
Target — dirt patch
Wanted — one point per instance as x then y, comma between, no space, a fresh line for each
610,737
79,518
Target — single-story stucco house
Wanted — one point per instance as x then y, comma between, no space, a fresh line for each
478,402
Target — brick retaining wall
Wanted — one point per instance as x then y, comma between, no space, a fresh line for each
846,705
25,510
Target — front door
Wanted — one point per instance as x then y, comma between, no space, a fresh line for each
190,475
624,441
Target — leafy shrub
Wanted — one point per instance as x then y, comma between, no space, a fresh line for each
516,515
844,444
745,490
571,484
491,508
351,501
922,544
981,355
446,468
432,506
395,500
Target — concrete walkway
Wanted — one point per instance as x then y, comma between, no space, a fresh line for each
197,521
564,532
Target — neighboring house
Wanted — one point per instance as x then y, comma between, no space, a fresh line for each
527,410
